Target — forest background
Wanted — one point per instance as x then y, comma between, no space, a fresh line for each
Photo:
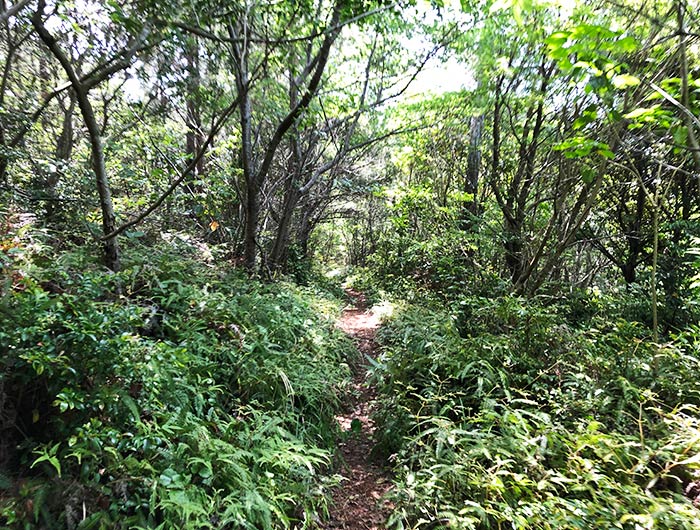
184,187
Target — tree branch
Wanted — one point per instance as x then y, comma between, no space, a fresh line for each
183,175
335,27
13,10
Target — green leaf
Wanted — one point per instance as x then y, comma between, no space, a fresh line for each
641,112
518,13
588,175
131,405
606,153
50,457
627,44
623,81
584,119
557,38
170,479
680,135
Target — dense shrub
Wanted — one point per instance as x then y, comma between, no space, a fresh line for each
502,414
170,395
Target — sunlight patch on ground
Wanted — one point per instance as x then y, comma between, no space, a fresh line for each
383,310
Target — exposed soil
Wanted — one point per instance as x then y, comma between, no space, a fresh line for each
358,503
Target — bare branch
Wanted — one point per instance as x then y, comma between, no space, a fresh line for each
13,10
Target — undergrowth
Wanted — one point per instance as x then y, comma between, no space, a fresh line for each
169,395
505,414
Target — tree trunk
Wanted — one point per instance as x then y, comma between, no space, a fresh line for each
252,191
252,219
7,68
471,181
64,150
654,268
278,254
256,174
195,138
111,246
513,249
303,236
685,99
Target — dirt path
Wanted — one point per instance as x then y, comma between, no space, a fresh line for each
358,502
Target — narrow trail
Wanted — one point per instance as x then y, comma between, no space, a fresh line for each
358,502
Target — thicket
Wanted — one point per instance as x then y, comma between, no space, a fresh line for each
514,413
168,395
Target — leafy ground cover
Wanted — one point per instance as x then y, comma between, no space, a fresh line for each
506,413
168,395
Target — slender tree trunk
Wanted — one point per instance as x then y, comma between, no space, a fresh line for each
303,236
110,246
11,11
252,219
634,236
253,188
629,270
250,175
256,174
278,254
514,248
654,290
7,69
471,181
654,267
64,150
195,138
292,193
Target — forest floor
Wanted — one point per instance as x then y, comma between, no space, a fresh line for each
358,502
